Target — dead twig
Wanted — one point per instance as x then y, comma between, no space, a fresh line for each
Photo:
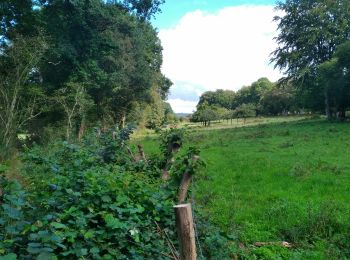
131,153
170,244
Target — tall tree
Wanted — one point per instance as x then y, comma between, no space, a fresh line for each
114,55
18,17
220,97
309,32
21,96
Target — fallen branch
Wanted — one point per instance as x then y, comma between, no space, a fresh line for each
131,153
186,182
165,172
170,244
142,153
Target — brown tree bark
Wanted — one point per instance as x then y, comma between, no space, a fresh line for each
185,183
81,129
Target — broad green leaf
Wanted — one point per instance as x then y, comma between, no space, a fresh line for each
58,225
11,256
112,222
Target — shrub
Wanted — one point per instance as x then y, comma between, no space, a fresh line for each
90,200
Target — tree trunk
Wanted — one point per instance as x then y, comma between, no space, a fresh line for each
81,129
327,106
122,120
69,126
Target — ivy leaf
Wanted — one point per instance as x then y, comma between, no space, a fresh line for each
57,225
89,234
11,256
46,256
112,222
94,250
106,198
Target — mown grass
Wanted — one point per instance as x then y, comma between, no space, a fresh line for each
286,181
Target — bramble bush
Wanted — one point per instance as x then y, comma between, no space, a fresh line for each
89,200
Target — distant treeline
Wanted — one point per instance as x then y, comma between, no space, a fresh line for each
261,98
314,54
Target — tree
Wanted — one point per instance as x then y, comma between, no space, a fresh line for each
309,32
144,9
107,48
21,96
244,111
219,98
253,93
205,114
18,18
113,54
278,100
74,101
169,115
334,76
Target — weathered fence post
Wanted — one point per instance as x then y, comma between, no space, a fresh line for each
185,230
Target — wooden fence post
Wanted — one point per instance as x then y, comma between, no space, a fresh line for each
185,230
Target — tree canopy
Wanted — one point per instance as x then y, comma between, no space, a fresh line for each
309,34
103,59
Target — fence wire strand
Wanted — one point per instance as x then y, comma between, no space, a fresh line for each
194,224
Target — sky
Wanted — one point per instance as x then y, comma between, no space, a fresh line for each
215,44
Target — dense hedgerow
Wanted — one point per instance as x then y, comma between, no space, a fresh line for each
91,200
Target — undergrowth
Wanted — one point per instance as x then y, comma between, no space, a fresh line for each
92,200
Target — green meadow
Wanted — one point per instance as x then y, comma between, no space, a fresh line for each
275,180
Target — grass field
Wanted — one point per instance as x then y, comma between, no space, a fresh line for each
283,180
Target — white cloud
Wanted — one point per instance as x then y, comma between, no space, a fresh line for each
182,106
186,91
226,49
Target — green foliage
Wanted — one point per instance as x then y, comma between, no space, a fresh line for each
91,200
279,100
171,141
222,98
205,114
245,111
85,200
261,98
21,96
309,34
333,75
190,162
104,57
